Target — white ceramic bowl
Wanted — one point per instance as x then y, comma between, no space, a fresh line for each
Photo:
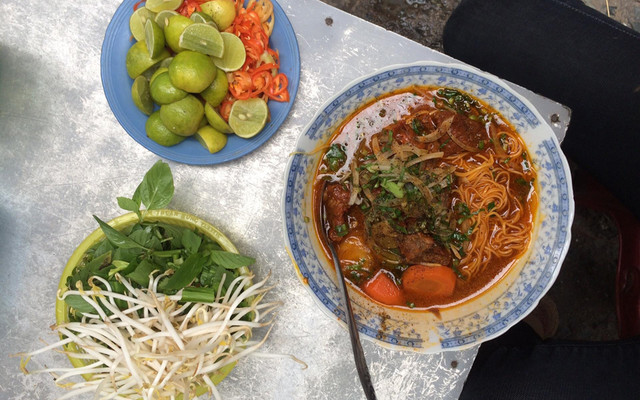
495,310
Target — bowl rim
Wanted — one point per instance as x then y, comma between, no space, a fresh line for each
570,211
165,215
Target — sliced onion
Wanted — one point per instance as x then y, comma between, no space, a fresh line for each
420,185
425,157
438,133
461,144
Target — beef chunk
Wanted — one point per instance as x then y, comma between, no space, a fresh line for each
465,130
336,203
384,235
418,248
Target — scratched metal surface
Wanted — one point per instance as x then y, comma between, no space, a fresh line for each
63,157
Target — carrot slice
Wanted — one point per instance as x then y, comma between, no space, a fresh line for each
429,280
383,289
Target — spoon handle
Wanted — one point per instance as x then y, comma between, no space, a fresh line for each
358,353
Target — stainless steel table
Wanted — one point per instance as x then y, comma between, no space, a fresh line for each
63,157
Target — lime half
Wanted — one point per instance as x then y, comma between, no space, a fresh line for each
153,37
234,53
215,120
202,38
137,21
141,95
138,59
162,18
248,117
212,139
162,5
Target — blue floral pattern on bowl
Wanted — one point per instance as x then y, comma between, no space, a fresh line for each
490,313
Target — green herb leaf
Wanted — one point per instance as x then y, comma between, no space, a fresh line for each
187,272
156,189
79,304
141,274
230,260
341,230
393,188
191,241
128,204
335,156
116,238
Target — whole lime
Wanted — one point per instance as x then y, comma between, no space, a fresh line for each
192,71
217,91
223,12
183,117
163,91
173,29
159,133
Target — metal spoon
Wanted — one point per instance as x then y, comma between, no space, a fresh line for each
358,353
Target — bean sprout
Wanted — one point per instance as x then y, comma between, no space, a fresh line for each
157,347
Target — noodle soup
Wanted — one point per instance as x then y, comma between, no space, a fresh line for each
429,197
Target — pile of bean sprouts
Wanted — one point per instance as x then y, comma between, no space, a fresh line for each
157,347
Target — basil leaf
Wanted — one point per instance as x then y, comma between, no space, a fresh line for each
128,204
116,238
93,267
141,274
211,275
156,189
103,247
191,241
184,275
76,302
230,260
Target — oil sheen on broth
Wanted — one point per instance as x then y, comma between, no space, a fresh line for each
429,196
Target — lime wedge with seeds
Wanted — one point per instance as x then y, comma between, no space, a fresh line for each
162,91
137,21
223,12
162,18
217,91
248,117
159,133
153,37
192,71
141,95
215,120
212,139
162,5
183,116
199,16
202,38
174,29
234,54
138,59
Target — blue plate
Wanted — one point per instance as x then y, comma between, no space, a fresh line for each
117,89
